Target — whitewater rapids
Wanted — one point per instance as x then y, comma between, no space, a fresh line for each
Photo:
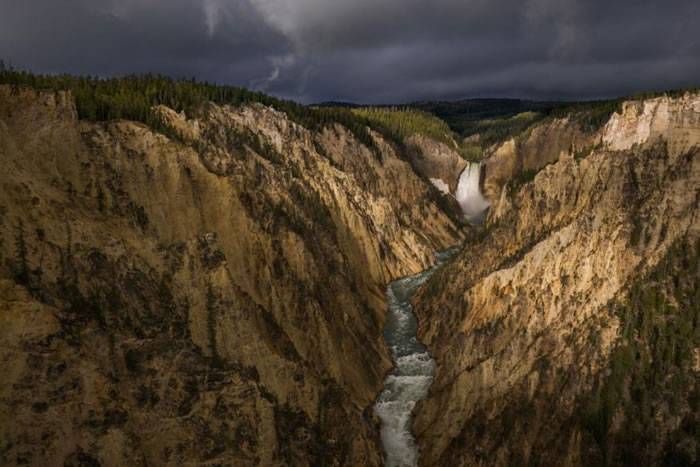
413,371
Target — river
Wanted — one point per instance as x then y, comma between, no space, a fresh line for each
413,371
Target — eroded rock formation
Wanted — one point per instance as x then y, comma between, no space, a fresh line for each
211,299
216,296
568,331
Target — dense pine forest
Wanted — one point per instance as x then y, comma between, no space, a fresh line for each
404,122
495,120
133,98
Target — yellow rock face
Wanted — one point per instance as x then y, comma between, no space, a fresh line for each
215,299
642,123
522,324
435,160
542,145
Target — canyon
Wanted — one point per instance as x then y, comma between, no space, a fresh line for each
216,294
566,333
193,301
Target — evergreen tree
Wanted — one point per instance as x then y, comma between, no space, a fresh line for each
133,97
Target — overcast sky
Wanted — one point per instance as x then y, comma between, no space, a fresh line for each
369,51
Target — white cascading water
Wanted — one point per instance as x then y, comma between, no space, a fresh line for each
469,195
412,375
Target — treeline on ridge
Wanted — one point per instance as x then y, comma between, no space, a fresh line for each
496,120
133,97
404,122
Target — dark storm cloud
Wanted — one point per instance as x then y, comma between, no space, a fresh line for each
369,50
104,37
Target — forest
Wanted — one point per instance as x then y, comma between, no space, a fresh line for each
404,122
133,98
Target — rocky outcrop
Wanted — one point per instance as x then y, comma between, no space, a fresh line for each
565,332
436,161
212,298
529,152
675,121
671,119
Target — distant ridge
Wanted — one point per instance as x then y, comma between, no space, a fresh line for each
349,105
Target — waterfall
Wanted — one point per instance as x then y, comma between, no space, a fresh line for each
469,195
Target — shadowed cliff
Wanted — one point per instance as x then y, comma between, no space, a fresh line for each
212,297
